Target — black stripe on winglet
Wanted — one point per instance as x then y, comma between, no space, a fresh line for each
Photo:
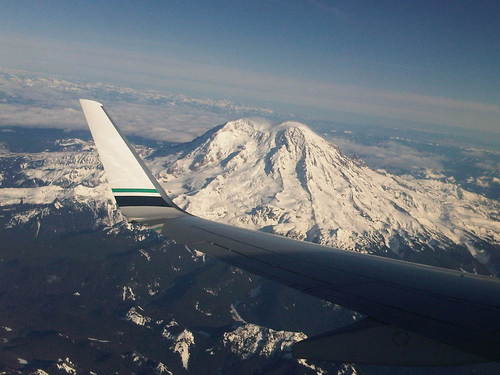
126,201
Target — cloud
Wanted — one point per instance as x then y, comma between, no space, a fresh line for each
328,100
487,161
491,166
36,101
391,156
487,181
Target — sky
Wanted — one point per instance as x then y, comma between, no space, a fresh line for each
397,63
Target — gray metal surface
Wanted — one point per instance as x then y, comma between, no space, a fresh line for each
451,307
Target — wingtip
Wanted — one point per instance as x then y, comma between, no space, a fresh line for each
88,102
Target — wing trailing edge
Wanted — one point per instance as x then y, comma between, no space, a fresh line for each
374,343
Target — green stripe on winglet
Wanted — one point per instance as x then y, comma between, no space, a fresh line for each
128,190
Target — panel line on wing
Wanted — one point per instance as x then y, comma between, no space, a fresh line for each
369,279
333,288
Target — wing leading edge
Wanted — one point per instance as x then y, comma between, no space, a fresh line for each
417,315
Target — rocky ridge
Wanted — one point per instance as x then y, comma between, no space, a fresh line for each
283,178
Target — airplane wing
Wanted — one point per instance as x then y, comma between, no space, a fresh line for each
415,314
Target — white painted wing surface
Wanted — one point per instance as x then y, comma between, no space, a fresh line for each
137,193
416,314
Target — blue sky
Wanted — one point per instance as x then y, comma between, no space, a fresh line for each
387,62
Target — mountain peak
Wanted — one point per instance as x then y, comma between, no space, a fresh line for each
259,126
286,179
296,128
235,142
247,125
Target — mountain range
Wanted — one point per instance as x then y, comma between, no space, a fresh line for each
118,292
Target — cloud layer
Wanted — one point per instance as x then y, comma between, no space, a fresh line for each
31,100
391,155
308,98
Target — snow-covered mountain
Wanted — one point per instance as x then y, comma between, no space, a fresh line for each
154,294
72,174
60,226
288,180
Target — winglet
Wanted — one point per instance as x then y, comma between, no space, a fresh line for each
137,193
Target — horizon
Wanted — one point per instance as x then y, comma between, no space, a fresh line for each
424,65
35,100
